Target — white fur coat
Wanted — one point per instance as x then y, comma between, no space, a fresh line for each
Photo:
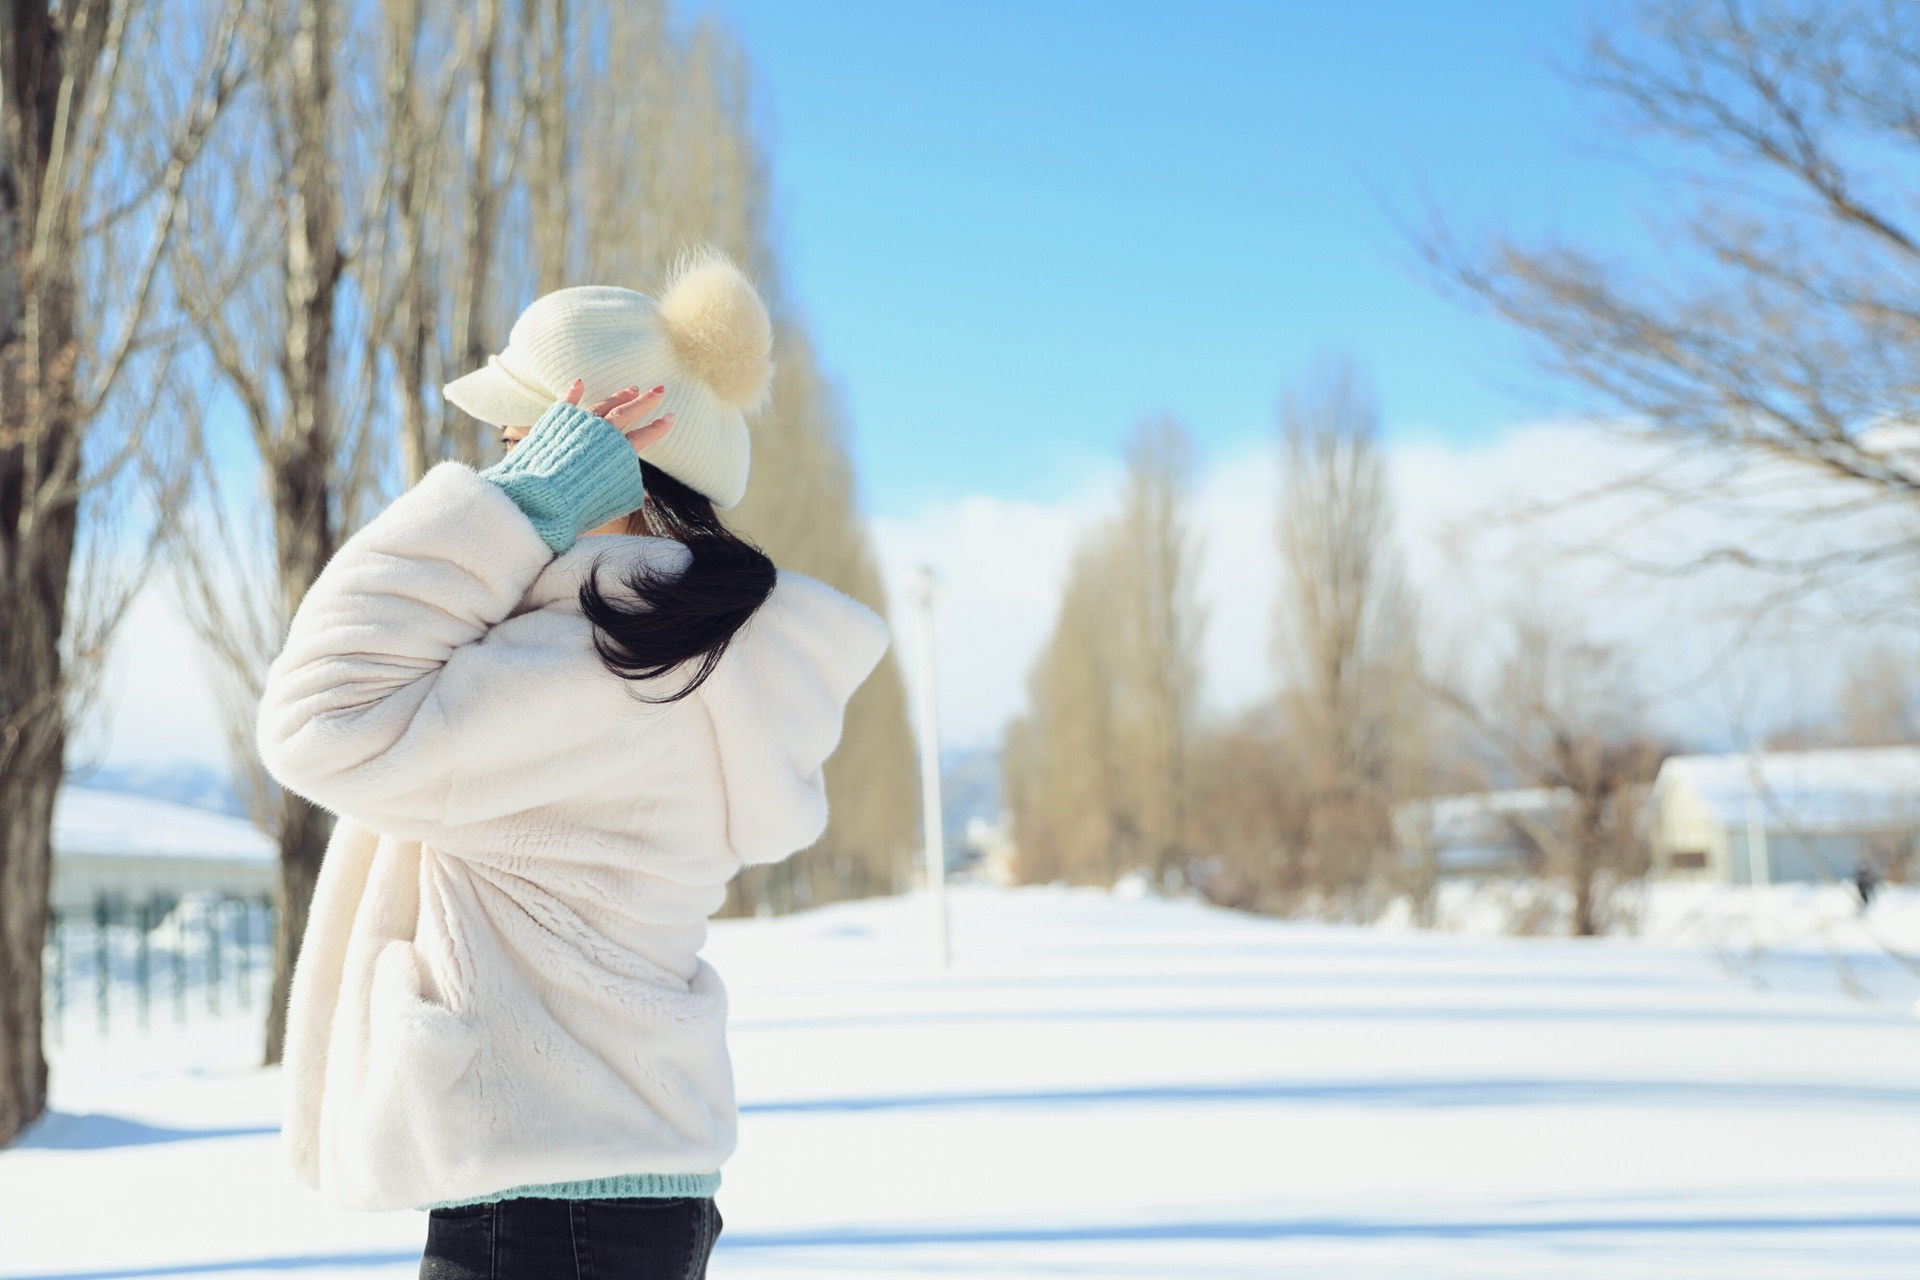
500,982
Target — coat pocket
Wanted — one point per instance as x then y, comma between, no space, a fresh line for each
419,1032
408,1133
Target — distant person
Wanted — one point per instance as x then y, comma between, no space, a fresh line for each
1866,879
557,705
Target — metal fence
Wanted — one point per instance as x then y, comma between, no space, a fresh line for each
123,958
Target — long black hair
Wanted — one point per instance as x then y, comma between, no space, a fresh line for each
689,617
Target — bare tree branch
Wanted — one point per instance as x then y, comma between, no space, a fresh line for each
1785,332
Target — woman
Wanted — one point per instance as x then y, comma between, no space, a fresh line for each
549,753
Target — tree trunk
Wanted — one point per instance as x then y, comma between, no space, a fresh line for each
304,533
31,749
1583,922
303,841
552,196
26,817
39,462
483,201
302,468
1589,844
37,560
409,165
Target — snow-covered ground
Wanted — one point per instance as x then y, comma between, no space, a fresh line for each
1132,1087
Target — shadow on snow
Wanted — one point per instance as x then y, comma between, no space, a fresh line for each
61,1131
1318,1229
1334,1013
1387,1093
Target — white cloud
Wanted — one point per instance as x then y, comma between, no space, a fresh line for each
999,566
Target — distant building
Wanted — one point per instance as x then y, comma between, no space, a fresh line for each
1482,832
1786,816
136,848
989,849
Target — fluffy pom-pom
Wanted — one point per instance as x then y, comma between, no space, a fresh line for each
719,328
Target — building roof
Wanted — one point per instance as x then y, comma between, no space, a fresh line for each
1478,829
88,822
1464,814
1853,789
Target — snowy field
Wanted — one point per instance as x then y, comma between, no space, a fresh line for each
1130,1087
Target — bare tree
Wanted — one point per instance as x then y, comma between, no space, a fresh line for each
487,160
1346,633
386,192
1060,759
99,141
1564,712
1780,337
266,309
1251,812
692,167
545,31
1155,623
1878,703
414,112
1099,770
433,216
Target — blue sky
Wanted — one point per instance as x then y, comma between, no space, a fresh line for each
1017,229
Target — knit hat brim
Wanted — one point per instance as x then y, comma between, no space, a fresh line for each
492,394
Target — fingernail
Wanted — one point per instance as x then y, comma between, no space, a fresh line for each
657,390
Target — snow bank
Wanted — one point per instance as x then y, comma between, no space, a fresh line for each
88,821
1782,916
1788,916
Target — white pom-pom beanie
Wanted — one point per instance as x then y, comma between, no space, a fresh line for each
707,340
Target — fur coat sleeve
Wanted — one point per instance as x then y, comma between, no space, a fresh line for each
402,701
355,710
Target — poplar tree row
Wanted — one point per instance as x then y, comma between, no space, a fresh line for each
1315,799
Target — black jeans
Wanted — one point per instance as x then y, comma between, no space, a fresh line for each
529,1239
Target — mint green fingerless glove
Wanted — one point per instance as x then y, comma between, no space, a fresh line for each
572,472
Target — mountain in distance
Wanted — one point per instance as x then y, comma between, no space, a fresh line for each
969,787
969,784
188,782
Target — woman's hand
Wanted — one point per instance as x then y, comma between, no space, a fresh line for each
623,408
541,488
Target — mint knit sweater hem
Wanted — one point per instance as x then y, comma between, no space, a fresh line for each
573,472
652,1186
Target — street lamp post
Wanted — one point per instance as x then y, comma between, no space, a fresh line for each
930,777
